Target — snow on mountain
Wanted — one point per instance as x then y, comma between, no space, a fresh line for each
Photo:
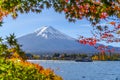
50,32
49,40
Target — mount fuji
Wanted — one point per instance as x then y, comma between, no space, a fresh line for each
47,40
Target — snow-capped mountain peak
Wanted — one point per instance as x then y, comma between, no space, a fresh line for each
44,29
49,32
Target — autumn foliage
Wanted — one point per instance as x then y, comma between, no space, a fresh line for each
24,70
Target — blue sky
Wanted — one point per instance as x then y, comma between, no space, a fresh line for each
27,23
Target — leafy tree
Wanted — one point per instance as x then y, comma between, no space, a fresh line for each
11,40
3,49
11,47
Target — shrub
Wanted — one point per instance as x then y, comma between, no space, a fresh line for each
15,69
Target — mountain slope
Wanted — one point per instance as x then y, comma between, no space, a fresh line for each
49,40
